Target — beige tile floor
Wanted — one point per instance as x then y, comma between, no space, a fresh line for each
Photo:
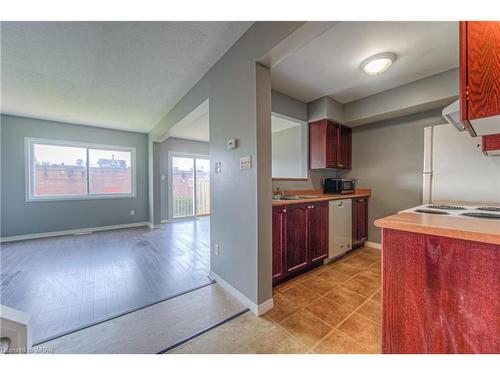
334,308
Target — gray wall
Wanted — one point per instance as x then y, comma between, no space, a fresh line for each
287,106
428,93
177,145
240,107
20,217
432,92
387,157
325,107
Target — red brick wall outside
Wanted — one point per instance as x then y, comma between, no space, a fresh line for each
71,180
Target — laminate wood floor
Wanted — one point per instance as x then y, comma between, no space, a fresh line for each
72,281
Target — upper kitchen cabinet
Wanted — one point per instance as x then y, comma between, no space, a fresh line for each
329,145
480,76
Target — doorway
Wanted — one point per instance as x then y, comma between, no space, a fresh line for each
189,185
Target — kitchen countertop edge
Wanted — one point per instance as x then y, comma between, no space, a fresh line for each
470,229
323,198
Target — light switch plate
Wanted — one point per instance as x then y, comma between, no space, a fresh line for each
218,167
246,162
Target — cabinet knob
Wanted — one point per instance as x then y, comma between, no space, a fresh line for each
310,206
341,165
283,210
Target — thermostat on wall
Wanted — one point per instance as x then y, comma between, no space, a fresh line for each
231,144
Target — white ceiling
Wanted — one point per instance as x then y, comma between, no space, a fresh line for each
330,64
195,126
122,75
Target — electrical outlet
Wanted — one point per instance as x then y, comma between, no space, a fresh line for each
216,249
132,212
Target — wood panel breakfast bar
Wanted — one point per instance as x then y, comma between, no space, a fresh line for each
440,284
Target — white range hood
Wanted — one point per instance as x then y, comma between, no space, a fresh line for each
452,115
482,126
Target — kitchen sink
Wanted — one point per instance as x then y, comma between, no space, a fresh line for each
294,197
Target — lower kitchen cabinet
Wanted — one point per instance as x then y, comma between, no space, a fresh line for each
278,242
300,238
296,249
317,225
359,221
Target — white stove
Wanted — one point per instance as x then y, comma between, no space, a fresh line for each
463,211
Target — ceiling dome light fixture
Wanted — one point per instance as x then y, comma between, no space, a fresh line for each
377,64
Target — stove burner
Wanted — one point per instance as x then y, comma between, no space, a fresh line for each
483,215
493,209
445,207
424,211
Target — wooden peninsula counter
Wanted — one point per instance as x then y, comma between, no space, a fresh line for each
440,284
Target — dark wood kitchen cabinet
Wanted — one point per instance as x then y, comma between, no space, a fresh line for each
345,147
329,145
278,242
359,221
480,76
296,247
300,238
317,226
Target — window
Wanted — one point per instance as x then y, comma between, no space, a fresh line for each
59,170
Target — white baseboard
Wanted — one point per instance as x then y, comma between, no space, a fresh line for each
375,245
253,307
265,307
72,231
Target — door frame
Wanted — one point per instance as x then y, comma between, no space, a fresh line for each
170,192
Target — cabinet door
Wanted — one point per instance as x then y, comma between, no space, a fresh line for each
345,147
359,221
362,217
296,254
279,222
355,236
317,223
317,144
332,144
479,69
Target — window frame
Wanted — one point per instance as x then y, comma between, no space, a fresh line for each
29,143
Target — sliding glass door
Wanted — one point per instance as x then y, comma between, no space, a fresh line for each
190,185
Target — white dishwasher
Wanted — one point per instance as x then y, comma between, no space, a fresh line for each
339,227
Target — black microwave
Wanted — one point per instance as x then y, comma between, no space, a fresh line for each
338,186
